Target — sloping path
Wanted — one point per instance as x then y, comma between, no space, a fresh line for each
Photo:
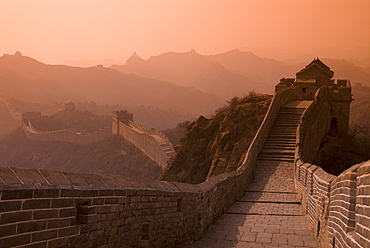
269,214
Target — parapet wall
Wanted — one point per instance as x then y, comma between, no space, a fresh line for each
66,135
337,208
42,208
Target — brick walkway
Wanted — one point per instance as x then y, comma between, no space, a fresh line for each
269,214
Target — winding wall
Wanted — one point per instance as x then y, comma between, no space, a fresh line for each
66,135
41,208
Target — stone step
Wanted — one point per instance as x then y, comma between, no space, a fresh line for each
273,152
290,125
286,136
287,122
290,160
283,130
278,142
279,146
276,157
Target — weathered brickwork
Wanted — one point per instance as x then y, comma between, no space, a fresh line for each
337,208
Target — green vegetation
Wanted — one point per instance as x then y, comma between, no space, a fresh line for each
217,145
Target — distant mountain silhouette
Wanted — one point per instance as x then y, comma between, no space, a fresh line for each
195,70
29,79
348,70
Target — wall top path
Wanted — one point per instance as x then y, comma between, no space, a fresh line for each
12,177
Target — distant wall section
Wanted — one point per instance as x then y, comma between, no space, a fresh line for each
153,143
65,135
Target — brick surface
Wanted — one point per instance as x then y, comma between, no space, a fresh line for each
14,217
31,226
6,206
14,241
36,204
16,194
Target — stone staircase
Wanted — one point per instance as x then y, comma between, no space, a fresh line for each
280,144
269,214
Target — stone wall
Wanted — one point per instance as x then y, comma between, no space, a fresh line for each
42,208
66,135
153,143
337,208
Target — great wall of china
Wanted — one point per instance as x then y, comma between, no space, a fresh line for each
42,208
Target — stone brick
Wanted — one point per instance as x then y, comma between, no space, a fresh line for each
61,203
36,204
16,194
87,219
119,192
15,217
46,193
7,230
86,210
111,200
15,240
29,176
69,231
90,193
44,235
106,192
68,212
6,206
31,226
58,243
70,193
45,214
98,201
35,245
55,177
8,176
94,180
58,223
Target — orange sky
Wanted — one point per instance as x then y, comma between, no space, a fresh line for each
54,31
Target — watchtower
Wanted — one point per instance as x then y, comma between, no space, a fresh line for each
316,75
120,116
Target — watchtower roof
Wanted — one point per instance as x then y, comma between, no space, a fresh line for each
317,64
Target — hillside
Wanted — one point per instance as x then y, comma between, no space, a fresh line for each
217,145
7,123
31,80
113,156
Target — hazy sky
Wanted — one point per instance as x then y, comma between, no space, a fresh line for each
54,31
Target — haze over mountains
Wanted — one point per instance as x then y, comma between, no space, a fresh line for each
27,78
231,73
185,84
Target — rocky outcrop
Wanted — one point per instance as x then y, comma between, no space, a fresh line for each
216,145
